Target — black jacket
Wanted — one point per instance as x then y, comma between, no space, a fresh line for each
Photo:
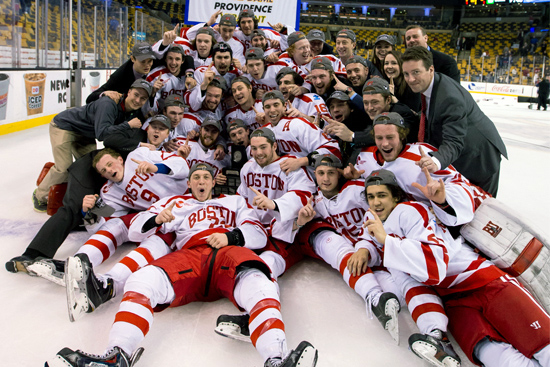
445,64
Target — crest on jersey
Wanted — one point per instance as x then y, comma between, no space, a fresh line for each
493,229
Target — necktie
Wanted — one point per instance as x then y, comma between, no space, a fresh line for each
422,127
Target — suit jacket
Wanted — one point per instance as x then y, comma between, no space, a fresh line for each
464,135
445,64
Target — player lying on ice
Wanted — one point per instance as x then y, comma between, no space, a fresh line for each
494,319
215,238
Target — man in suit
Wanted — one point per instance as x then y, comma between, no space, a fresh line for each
452,122
415,35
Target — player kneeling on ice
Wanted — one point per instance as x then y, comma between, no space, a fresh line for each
491,315
215,238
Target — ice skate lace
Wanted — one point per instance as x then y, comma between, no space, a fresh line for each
107,354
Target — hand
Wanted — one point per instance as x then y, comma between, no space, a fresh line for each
221,179
260,116
148,146
434,190
392,86
351,173
89,202
219,154
145,167
158,84
339,129
292,164
192,135
115,96
426,161
306,213
291,111
190,83
261,201
340,86
357,263
376,228
213,18
170,36
274,43
278,26
165,216
237,64
208,77
171,146
273,57
260,93
135,123
217,240
184,150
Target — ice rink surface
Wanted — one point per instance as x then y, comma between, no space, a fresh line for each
316,304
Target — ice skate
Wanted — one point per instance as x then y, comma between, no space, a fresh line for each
19,264
234,327
437,350
386,311
49,269
305,355
85,291
114,358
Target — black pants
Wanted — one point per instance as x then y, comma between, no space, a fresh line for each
83,180
542,102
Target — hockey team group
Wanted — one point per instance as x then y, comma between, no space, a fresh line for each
233,152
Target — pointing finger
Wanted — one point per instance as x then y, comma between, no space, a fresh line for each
136,161
423,153
255,191
374,214
171,206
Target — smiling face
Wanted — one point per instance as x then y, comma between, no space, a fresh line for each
375,104
327,179
386,138
246,25
201,183
357,73
203,44
111,168
239,136
391,66
381,49
417,76
340,110
174,114
259,41
208,135
344,47
222,62
274,110
321,80
285,84
263,151
173,62
414,37
157,132
316,46
381,200
135,99
256,68
212,98
301,53
242,93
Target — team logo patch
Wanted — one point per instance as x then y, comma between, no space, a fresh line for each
493,229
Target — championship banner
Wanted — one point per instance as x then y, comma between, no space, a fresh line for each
286,12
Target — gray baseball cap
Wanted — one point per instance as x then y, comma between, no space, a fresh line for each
273,94
295,37
321,63
246,13
143,84
285,71
174,100
389,118
329,160
257,32
235,124
209,121
375,86
162,119
316,35
265,132
339,95
206,30
228,20
357,60
202,166
220,82
254,53
176,48
347,33
142,51
381,177
241,79
385,38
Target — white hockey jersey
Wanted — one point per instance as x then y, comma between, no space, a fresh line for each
138,191
194,99
290,192
249,117
311,104
172,85
229,76
188,49
337,65
196,220
270,34
201,154
268,81
346,210
237,46
462,196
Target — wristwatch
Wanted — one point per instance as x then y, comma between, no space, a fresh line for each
349,90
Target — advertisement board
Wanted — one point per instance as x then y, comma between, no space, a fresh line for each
286,12
512,90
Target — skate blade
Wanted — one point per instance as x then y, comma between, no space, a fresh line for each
58,361
308,358
392,326
427,352
232,332
77,302
45,271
